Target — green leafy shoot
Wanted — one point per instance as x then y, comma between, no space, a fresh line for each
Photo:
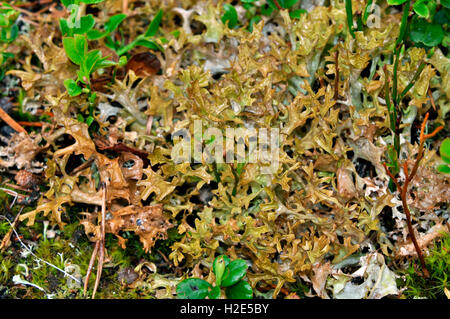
72,87
145,39
76,49
427,28
228,275
111,25
71,26
9,31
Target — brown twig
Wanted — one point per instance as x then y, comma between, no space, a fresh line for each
11,122
164,257
91,265
99,248
35,124
277,4
124,6
336,78
102,242
404,189
103,144
13,193
20,188
83,166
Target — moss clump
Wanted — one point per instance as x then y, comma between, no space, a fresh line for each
438,264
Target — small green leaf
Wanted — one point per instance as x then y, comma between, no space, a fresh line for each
267,10
67,3
430,34
444,150
3,21
13,33
76,48
219,266
91,60
253,21
154,25
230,15
96,34
420,7
431,4
65,30
86,23
72,87
80,118
148,44
445,169
104,63
446,3
193,288
395,2
114,22
240,168
176,33
89,120
123,61
296,14
442,16
286,4
234,272
92,97
242,290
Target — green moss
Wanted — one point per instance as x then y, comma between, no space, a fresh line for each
438,264
6,266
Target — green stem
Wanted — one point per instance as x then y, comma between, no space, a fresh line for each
387,97
392,110
404,23
349,11
412,82
394,83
